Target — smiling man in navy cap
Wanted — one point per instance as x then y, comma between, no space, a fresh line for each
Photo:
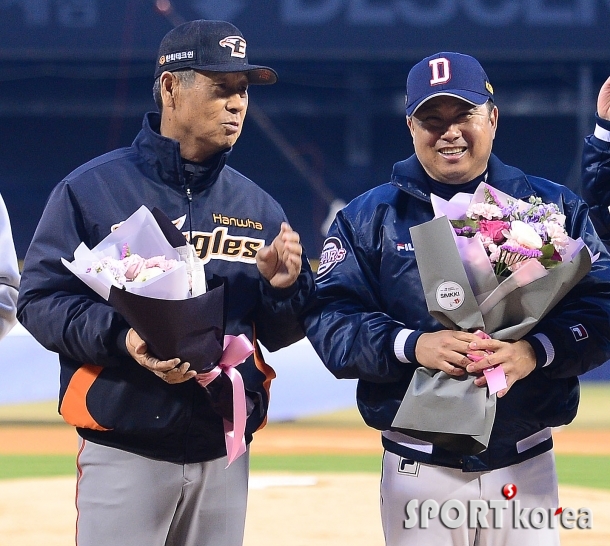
371,323
152,463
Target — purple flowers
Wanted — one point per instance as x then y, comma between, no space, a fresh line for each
514,232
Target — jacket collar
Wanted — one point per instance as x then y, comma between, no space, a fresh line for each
163,154
409,176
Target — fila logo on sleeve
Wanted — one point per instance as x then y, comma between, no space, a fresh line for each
407,247
579,332
441,72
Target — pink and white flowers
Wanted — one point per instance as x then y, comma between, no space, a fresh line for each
137,257
515,232
133,267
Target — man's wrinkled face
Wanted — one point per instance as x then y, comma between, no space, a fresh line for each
206,115
452,138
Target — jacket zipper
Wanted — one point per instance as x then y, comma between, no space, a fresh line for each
186,177
189,197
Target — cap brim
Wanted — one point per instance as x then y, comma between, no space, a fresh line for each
257,75
476,99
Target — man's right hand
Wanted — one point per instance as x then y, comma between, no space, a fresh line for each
445,350
603,101
171,371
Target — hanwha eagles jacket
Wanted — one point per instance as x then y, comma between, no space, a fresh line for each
369,293
103,392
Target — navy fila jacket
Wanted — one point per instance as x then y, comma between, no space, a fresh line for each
369,292
595,178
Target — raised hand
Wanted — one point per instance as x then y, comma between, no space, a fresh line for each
280,262
603,101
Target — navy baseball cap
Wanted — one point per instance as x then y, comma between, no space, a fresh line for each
214,46
446,73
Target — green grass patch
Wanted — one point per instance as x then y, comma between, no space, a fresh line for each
32,466
584,470
36,466
579,470
594,407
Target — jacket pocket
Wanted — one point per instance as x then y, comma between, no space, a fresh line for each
126,398
73,406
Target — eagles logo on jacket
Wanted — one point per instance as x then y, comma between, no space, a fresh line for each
110,398
368,290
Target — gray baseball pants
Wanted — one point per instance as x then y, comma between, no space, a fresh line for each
128,500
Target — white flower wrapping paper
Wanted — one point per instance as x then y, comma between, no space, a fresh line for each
144,237
463,293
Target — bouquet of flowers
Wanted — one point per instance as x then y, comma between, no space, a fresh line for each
146,270
497,267
513,232
132,267
138,258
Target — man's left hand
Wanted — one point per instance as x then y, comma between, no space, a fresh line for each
516,358
280,262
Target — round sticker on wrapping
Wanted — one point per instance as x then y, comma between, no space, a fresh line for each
450,295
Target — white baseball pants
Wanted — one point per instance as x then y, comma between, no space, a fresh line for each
404,480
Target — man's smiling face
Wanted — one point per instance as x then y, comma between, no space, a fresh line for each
453,138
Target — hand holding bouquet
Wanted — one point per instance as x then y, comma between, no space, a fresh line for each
146,270
488,263
498,245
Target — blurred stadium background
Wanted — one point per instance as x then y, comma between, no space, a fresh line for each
76,79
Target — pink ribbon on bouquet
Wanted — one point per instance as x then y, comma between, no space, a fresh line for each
236,350
496,378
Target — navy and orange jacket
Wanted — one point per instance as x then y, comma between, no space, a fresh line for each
369,291
110,398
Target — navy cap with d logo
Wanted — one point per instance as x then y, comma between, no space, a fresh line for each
446,73
213,46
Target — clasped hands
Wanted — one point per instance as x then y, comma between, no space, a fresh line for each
448,350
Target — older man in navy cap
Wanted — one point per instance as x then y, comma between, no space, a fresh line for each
371,322
152,463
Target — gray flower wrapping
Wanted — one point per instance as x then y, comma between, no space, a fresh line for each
450,412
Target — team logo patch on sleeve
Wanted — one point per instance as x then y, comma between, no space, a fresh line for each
579,332
332,253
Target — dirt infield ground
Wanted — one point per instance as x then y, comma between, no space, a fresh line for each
296,509
283,439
